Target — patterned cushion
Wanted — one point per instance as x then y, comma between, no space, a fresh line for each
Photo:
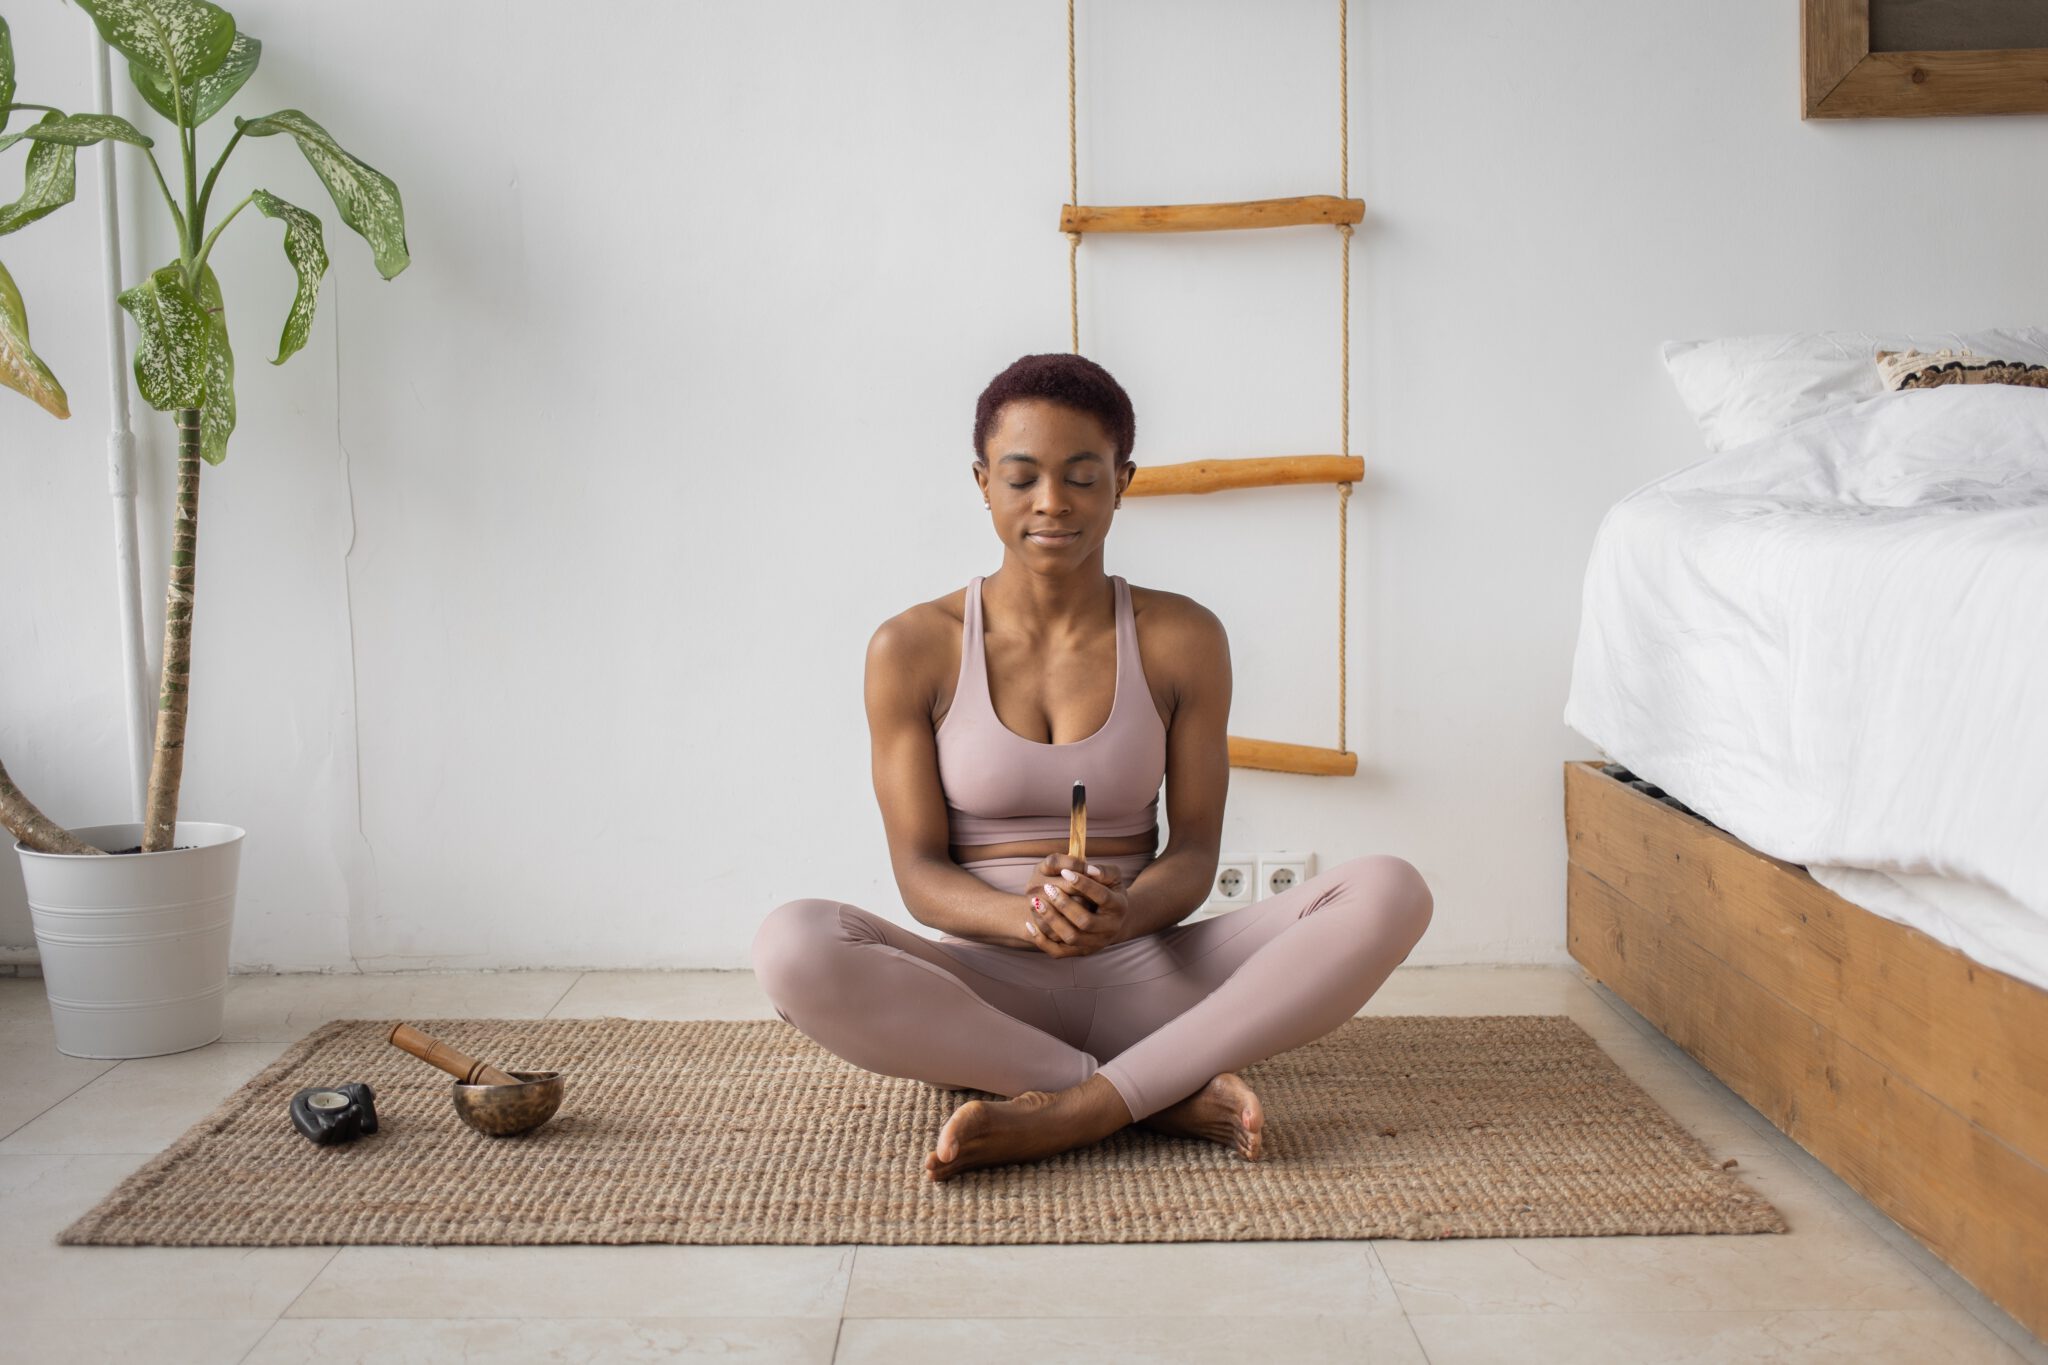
1910,369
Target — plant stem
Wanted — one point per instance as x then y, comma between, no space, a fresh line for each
31,826
177,216
167,765
187,152
188,147
207,250
206,192
46,108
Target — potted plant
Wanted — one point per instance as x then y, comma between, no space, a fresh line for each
135,948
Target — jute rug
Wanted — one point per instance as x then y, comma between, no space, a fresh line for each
745,1131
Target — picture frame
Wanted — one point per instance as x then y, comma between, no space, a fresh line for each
1956,65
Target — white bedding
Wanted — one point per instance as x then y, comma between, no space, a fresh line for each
1833,643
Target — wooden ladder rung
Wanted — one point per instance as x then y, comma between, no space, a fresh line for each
1266,471
1250,213
1273,756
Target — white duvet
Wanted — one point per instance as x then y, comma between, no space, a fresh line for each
1833,643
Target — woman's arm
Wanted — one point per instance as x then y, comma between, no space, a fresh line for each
937,891
1196,650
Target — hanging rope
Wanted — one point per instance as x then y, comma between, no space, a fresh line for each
1073,197
1344,377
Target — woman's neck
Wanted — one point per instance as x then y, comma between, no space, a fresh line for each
1059,606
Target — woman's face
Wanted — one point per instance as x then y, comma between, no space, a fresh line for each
1051,469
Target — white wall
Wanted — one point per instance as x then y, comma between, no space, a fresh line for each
533,594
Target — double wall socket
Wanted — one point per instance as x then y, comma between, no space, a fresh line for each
1242,878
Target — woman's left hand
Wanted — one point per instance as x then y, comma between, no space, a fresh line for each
1074,914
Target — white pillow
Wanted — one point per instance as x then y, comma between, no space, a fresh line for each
1740,388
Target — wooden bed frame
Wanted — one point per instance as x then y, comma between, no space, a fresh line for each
1915,1073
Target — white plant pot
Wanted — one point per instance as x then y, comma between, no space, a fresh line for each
135,946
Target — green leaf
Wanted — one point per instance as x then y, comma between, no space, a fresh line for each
171,339
178,39
82,130
20,369
205,96
366,197
6,71
307,251
217,413
47,185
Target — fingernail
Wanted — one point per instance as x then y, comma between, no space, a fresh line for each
1050,888
1068,873
1031,929
1035,904
1094,871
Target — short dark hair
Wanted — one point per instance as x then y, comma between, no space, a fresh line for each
1065,378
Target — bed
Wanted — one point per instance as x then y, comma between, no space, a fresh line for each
1816,857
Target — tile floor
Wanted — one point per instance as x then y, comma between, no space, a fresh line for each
1847,1284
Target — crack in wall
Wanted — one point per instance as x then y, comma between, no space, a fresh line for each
355,706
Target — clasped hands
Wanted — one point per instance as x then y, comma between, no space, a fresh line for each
1076,907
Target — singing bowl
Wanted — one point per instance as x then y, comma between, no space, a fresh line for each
506,1110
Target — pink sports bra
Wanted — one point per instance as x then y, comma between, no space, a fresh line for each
1001,786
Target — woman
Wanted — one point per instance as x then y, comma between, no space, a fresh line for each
1071,986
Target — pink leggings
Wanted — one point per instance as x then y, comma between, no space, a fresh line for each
1158,1015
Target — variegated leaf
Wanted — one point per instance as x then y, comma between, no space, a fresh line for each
6,71
171,335
217,413
307,251
366,197
48,184
179,39
204,97
82,130
20,369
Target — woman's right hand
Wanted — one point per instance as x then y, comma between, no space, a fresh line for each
1084,916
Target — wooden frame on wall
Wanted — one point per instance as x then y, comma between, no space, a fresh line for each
1842,77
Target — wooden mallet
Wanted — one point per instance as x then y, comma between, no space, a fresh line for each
466,1069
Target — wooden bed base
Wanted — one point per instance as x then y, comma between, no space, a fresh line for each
1915,1073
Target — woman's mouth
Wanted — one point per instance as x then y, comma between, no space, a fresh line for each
1042,538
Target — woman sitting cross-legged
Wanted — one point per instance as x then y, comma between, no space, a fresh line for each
1071,986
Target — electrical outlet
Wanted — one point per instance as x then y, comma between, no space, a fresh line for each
1236,885
1278,872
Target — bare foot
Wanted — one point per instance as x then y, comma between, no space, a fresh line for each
1035,1124
1225,1110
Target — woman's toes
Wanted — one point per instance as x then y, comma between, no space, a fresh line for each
1247,1115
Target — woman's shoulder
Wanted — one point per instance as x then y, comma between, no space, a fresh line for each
922,635
1174,614
1181,643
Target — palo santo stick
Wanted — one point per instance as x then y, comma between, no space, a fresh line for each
1077,823
463,1068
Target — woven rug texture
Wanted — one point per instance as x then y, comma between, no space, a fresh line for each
745,1131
